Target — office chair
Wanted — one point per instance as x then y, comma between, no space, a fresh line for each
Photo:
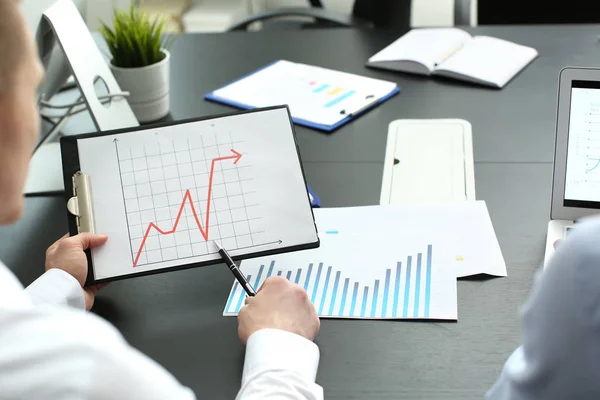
494,12
365,14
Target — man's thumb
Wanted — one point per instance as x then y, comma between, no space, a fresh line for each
88,240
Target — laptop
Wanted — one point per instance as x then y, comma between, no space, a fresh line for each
576,176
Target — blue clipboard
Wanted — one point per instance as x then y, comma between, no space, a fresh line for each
327,128
315,202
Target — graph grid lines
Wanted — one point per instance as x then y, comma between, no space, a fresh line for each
179,194
398,293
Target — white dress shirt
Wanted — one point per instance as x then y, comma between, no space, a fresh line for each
50,348
560,354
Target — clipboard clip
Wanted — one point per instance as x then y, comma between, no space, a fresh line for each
371,100
80,205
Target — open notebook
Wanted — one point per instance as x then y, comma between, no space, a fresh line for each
454,53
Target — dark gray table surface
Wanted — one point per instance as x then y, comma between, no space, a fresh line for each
512,124
176,318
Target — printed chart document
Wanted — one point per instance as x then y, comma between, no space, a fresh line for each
372,264
163,194
454,53
318,97
469,230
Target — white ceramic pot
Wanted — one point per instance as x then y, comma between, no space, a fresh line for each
148,87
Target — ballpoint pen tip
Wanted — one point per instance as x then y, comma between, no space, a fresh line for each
217,244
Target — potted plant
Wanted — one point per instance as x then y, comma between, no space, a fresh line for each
140,61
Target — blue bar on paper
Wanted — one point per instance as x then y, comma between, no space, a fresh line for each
298,276
344,293
278,273
386,289
339,99
428,281
407,287
271,269
314,293
396,289
260,271
332,232
334,292
325,287
307,280
288,275
364,304
320,88
232,295
242,296
354,293
417,286
374,305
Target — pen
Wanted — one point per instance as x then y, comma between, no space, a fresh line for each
235,270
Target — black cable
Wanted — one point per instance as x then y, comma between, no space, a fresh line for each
49,120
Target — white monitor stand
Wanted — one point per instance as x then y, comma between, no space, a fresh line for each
62,22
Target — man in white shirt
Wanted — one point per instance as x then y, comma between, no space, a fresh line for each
52,348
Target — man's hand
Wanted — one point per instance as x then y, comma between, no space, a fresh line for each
67,254
279,304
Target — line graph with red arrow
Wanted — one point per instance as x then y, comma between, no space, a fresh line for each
204,226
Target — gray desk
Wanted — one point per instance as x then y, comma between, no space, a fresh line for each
176,318
512,124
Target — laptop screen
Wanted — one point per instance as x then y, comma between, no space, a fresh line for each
582,182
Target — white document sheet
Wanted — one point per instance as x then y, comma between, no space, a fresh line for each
467,230
370,265
162,195
469,227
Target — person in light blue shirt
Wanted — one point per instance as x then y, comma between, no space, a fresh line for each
559,357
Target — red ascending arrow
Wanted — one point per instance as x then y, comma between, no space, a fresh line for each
188,198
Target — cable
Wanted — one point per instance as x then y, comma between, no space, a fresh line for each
71,111
57,126
48,119
46,104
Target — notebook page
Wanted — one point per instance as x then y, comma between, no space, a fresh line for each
488,60
426,46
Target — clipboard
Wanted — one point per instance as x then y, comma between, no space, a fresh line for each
81,193
354,99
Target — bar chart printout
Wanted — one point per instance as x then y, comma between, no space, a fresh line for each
420,285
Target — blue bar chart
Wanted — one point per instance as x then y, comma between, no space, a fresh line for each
403,291
368,265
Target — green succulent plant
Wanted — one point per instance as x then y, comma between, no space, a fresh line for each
136,40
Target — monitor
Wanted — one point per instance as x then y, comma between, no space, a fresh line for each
582,180
57,70
576,179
